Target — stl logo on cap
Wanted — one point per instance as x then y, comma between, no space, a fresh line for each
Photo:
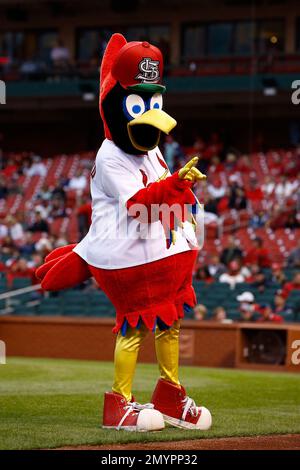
139,64
149,70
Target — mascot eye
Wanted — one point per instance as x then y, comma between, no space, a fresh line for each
134,106
156,101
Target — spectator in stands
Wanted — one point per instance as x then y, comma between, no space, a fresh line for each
45,193
211,210
60,55
234,275
19,269
7,245
13,186
59,190
216,189
275,164
247,307
290,286
216,166
202,274
61,240
37,168
244,164
39,224
10,170
78,182
277,218
35,261
3,187
200,312
237,197
84,216
220,315
293,220
27,248
3,229
277,275
58,209
15,229
294,257
44,207
32,67
284,189
258,219
268,186
215,267
257,278
279,304
267,315
231,252
230,163
172,152
258,254
254,192
44,245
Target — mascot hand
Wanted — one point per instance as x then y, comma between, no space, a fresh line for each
190,172
63,269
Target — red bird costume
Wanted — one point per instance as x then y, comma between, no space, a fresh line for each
140,252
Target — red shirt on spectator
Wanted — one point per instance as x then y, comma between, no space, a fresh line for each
9,171
273,318
254,194
258,256
288,288
86,209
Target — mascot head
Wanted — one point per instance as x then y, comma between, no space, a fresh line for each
131,95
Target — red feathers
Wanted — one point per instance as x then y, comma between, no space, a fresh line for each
107,82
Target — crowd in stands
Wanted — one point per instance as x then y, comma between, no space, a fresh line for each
252,218
28,234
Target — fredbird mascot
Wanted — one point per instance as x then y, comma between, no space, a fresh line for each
143,263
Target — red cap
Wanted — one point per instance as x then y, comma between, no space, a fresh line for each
139,66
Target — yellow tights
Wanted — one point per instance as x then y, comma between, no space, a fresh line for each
126,354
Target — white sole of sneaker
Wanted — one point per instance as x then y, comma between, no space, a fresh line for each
179,423
130,429
123,428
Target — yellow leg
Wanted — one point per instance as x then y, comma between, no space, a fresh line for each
167,352
126,354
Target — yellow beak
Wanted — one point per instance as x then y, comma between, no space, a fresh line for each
155,118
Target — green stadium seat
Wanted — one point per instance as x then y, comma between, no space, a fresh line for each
19,283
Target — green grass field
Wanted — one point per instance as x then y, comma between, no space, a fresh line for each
50,403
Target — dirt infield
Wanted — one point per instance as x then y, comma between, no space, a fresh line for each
276,442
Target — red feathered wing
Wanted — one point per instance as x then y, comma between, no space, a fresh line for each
107,81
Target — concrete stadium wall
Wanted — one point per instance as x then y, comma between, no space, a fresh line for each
202,344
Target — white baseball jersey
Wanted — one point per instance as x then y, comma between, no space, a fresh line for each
116,239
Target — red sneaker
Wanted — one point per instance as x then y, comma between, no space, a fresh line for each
178,409
131,416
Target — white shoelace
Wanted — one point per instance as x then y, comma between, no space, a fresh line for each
134,406
190,406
